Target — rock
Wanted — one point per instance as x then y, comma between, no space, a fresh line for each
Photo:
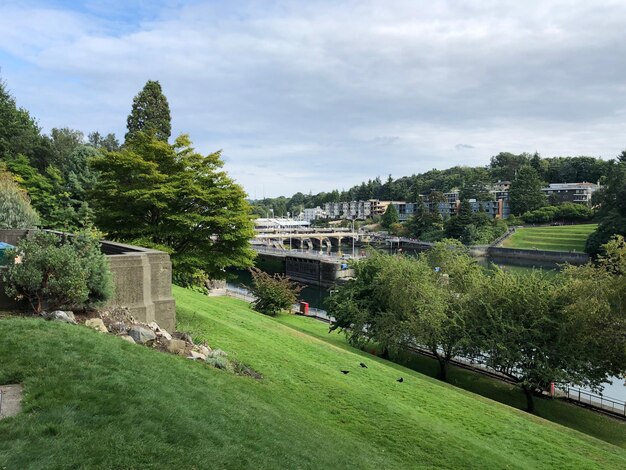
154,326
97,324
183,336
60,315
141,334
128,338
118,328
164,334
196,355
176,346
204,350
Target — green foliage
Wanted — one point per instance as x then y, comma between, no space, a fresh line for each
150,113
51,272
473,228
567,212
273,293
390,217
525,193
611,199
170,197
15,208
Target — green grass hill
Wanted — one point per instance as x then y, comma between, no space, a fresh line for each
95,401
552,238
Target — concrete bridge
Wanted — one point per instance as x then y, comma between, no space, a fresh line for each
321,240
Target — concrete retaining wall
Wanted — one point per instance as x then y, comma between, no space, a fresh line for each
541,256
142,279
315,271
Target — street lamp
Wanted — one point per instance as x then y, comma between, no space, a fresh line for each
353,237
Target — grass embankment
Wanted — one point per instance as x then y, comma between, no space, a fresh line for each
94,400
557,238
587,421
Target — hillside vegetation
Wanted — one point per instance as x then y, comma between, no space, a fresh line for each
92,400
553,238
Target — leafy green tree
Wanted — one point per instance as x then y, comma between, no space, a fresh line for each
172,198
50,272
525,193
15,208
611,200
150,113
390,217
108,143
273,293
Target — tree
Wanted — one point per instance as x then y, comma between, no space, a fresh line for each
390,217
459,278
15,208
51,272
273,293
172,198
611,202
108,143
150,113
525,193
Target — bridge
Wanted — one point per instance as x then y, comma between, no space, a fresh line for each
318,239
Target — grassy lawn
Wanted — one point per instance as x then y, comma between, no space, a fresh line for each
557,238
92,400
589,422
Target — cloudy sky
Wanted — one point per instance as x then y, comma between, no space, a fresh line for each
316,95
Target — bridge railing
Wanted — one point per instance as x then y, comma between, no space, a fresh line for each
308,253
611,405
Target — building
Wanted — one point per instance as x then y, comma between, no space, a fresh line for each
279,224
312,214
359,210
578,193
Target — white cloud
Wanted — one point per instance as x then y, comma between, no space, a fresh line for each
316,95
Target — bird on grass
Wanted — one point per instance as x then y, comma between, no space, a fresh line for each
345,372
401,379
362,365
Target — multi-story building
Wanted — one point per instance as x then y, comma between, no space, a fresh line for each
313,214
579,193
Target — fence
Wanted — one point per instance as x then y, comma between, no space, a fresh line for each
593,400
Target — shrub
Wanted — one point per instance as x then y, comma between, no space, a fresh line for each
15,208
51,272
273,293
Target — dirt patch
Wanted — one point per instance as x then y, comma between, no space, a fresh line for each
10,400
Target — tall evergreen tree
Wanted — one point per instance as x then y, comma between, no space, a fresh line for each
150,113
525,193
390,217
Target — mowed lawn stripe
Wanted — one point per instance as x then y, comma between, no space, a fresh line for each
557,238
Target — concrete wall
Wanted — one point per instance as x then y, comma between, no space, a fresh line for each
315,271
142,279
540,256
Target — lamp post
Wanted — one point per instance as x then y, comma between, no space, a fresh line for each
353,237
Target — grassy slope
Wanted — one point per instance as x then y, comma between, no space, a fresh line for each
94,400
592,423
557,238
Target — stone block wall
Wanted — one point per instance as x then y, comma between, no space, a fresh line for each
142,279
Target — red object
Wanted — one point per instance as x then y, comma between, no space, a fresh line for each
551,389
304,308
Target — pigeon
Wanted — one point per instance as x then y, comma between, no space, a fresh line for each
401,379
362,365
345,371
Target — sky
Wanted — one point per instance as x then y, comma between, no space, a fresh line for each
312,96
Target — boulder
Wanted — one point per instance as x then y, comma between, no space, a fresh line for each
154,326
60,315
118,328
128,338
175,346
193,355
183,336
97,324
141,334
203,350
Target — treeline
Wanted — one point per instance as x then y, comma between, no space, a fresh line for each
145,190
470,180
536,329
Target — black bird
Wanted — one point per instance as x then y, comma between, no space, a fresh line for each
362,365
401,379
345,371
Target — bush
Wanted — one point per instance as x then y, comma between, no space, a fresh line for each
51,272
15,208
567,212
273,293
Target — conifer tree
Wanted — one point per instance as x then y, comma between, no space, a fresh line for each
150,113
